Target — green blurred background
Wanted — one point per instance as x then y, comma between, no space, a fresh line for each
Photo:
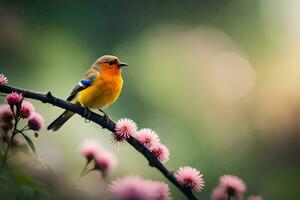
219,81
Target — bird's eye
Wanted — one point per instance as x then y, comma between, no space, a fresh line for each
112,62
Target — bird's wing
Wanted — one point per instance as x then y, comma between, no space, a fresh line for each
84,83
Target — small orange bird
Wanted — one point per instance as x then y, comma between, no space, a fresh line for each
100,86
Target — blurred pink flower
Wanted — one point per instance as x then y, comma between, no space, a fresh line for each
233,185
5,126
16,141
89,148
125,128
35,121
255,197
6,114
26,109
161,152
161,190
13,98
219,193
3,79
190,177
131,187
148,138
105,161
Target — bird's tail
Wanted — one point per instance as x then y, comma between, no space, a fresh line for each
56,124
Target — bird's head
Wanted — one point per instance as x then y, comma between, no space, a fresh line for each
110,64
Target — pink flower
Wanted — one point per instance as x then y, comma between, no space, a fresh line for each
26,109
6,114
233,185
3,79
256,197
148,138
219,193
13,98
190,177
105,161
35,121
161,190
130,187
117,139
161,152
125,128
89,148
5,126
16,141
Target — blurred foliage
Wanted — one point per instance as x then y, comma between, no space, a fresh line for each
218,80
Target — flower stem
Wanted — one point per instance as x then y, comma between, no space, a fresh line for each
3,161
84,169
9,143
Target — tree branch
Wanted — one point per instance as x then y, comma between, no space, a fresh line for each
108,124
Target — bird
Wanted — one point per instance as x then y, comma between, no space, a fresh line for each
99,87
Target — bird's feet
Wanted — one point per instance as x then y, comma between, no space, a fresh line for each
87,114
105,115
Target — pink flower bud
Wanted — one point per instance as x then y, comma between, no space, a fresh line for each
190,177
13,98
26,109
233,185
161,190
161,152
89,148
105,161
133,187
3,79
125,128
255,197
6,114
148,138
117,139
129,188
5,126
35,121
219,193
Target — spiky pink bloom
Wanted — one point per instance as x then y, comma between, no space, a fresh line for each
131,187
147,137
6,115
13,98
161,190
89,148
233,185
161,152
125,128
219,193
36,121
190,177
105,161
26,109
3,79
255,197
117,139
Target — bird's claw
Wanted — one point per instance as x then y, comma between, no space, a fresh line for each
105,116
87,114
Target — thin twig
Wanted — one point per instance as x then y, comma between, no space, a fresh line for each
105,123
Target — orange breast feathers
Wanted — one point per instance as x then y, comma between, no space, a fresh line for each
104,91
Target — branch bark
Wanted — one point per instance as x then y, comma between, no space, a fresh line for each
107,124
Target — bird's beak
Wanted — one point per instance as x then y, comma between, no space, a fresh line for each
122,64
